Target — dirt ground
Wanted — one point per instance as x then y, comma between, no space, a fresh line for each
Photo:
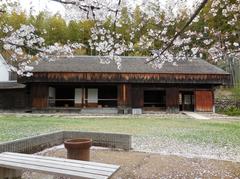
150,166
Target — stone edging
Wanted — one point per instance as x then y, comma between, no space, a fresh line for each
38,143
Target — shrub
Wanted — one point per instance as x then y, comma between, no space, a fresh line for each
231,111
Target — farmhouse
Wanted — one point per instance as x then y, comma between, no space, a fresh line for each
4,72
83,83
12,94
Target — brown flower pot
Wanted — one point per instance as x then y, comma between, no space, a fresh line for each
78,149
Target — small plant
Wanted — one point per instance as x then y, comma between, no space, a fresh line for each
231,111
236,93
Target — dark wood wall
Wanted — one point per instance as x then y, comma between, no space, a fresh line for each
39,95
14,99
164,78
172,99
204,100
132,95
137,97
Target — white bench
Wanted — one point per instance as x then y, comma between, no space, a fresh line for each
11,163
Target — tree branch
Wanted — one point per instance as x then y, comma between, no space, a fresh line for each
116,13
20,46
86,8
67,2
197,11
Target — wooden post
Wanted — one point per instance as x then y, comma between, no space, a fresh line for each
124,95
83,97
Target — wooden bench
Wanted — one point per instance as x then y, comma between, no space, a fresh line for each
12,163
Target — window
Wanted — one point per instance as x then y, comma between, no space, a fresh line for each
78,96
92,95
187,99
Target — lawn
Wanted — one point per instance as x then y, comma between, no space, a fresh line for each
170,134
217,132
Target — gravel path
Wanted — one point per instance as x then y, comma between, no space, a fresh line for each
170,147
142,165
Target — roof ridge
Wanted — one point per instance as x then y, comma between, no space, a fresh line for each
130,64
88,56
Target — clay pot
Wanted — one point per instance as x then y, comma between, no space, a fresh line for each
78,149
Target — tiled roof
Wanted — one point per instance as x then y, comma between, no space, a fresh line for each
11,85
129,65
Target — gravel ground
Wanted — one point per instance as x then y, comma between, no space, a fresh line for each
170,147
149,165
219,116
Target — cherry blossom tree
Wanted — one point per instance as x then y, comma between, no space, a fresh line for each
224,32
210,31
24,46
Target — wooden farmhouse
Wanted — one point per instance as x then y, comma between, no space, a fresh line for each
84,83
4,71
12,94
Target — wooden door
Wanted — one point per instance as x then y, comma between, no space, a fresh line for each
188,101
39,95
204,100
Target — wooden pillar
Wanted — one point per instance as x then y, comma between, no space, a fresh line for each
172,99
39,95
83,97
124,95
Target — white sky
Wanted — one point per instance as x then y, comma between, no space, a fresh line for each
41,5
37,6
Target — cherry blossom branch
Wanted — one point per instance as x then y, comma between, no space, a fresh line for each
2,42
197,11
2,11
116,13
67,2
86,8
235,52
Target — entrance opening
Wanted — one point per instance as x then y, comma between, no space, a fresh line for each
107,96
155,100
186,101
81,97
64,97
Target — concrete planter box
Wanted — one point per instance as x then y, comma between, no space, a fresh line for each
38,143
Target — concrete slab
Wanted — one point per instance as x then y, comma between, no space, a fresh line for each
195,115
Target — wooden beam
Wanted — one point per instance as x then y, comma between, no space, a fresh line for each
166,78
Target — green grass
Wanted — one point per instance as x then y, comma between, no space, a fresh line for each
217,132
232,111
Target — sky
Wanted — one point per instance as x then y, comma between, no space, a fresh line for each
36,6
41,5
